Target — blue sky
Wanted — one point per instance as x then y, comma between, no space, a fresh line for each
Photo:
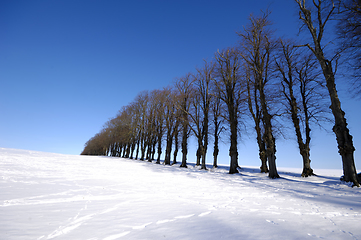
66,67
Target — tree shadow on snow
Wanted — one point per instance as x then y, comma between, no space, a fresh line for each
326,189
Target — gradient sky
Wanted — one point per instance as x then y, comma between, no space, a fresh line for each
68,66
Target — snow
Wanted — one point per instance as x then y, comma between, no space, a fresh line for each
55,196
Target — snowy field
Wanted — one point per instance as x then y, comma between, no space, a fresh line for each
54,196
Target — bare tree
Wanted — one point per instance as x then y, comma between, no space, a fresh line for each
129,120
256,113
257,47
343,136
141,106
161,98
304,94
349,35
170,120
96,145
203,82
195,116
230,87
184,88
151,124
218,120
176,138
200,108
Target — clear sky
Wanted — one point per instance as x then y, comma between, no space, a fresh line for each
66,67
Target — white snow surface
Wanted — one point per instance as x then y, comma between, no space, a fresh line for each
55,196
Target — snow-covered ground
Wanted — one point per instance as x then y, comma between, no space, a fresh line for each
54,196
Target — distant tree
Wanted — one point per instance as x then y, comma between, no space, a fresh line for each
218,120
257,47
195,117
129,122
322,10
151,125
97,145
141,106
185,91
161,96
176,138
230,88
113,129
199,110
203,86
122,127
169,121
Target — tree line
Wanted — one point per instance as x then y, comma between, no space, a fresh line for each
264,82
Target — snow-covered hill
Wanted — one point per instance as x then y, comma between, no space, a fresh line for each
54,196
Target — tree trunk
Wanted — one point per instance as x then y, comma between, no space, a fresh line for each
184,145
176,147
262,152
137,151
205,140
168,149
257,120
128,151
233,153
142,149
159,149
215,148
198,153
343,137
269,139
132,150
305,152
153,148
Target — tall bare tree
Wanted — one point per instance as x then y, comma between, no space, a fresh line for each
161,96
231,90
256,113
257,47
141,102
185,91
218,120
203,83
176,138
170,121
200,110
304,94
322,10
